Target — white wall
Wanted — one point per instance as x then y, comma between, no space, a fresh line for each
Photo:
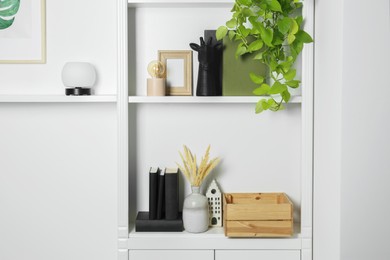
351,163
327,129
58,173
365,176
75,31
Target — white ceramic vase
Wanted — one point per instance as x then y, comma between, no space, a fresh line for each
195,212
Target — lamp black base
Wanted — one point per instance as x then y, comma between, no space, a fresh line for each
78,91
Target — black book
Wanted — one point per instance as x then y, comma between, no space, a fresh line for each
171,193
144,224
153,191
161,193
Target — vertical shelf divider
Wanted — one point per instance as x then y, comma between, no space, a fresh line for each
122,124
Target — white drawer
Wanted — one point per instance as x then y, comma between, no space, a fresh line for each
258,254
171,254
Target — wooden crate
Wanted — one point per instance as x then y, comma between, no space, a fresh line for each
257,215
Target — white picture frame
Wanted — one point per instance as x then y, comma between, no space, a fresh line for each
25,40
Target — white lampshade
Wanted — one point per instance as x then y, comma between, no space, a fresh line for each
78,74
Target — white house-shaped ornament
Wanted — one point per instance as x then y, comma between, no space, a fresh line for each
214,197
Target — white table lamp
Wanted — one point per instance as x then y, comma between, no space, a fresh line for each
78,78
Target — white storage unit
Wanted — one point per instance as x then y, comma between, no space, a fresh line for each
271,152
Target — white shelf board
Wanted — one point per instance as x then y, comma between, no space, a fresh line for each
180,3
214,238
193,99
56,99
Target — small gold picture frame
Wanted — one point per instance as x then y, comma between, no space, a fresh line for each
178,72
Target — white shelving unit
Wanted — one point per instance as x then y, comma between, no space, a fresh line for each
245,141
56,99
195,100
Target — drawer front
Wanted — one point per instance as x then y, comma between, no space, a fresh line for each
171,254
258,254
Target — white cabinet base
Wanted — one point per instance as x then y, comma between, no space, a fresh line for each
171,254
257,254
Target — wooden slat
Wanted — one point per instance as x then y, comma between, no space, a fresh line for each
259,228
258,212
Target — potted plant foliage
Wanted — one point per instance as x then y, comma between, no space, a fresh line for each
272,30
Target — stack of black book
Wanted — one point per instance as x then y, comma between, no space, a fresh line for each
163,215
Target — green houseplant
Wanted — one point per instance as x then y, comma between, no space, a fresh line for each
273,31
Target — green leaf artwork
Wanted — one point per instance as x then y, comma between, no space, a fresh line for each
271,30
8,10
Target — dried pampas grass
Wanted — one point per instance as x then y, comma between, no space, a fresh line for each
194,174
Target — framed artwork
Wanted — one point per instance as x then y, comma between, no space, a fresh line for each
178,71
22,31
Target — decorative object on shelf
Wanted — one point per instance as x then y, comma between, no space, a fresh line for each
171,193
163,215
195,212
195,208
156,84
22,31
78,78
178,66
257,215
207,73
279,40
214,198
144,224
161,195
154,172
218,51
236,70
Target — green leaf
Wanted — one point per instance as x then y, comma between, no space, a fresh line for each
231,35
231,24
262,90
286,65
278,39
294,27
270,103
254,31
273,5
6,23
290,38
286,96
298,46
284,25
244,31
245,2
303,36
241,50
273,65
290,75
299,20
277,88
293,83
247,12
259,106
8,9
221,32
259,56
256,79
256,45
267,36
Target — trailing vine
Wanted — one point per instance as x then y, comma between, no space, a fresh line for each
273,32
